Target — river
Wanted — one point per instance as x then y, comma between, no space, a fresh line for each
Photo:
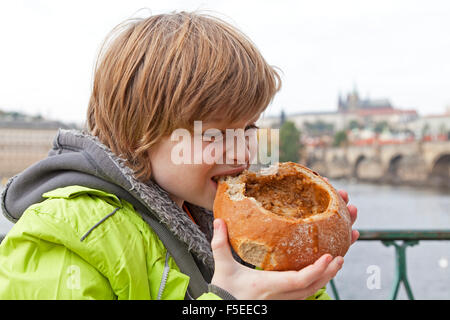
396,207
390,207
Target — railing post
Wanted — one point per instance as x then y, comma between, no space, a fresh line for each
334,289
400,266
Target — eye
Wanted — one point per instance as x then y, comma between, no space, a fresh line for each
213,135
251,126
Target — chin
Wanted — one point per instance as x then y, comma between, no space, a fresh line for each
209,207
210,204
205,198
206,202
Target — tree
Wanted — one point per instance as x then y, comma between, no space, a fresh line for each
319,128
340,139
290,144
425,130
442,129
353,125
381,126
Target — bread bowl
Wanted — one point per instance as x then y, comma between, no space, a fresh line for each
283,217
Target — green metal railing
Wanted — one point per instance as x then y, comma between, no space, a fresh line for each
400,240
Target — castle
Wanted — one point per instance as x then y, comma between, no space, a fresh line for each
353,103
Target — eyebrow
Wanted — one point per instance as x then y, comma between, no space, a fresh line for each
222,131
253,125
215,124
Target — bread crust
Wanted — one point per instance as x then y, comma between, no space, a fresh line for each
274,242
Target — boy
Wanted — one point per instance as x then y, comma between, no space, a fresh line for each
109,215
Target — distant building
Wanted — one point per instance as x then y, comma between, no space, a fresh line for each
431,125
395,118
304,120
354,103
24,140
351,111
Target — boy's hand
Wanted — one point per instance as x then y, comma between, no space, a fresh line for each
246,283
352,210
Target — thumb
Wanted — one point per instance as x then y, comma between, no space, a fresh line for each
219,243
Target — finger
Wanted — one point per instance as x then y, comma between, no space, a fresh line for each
219,244
344,195
306,276
353,212
330,272
355,236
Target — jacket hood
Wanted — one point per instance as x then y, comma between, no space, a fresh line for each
78,158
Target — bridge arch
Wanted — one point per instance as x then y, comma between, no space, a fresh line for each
393,166
440,170
358,161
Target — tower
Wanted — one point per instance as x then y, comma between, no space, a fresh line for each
282,118
341,104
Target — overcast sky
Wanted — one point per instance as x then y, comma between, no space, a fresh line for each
395,49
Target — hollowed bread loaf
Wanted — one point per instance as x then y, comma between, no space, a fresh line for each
283,217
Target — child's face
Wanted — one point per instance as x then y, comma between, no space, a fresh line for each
193,181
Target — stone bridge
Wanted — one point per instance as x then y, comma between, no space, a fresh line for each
419,162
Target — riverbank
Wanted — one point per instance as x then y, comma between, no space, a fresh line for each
413,185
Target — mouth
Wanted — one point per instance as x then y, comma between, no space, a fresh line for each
230,173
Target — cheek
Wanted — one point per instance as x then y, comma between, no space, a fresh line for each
186,181
181,180
213,153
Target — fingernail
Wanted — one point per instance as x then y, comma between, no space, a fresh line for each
216,225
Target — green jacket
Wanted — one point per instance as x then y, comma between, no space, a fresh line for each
83,243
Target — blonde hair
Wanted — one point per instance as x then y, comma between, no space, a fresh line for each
160,73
